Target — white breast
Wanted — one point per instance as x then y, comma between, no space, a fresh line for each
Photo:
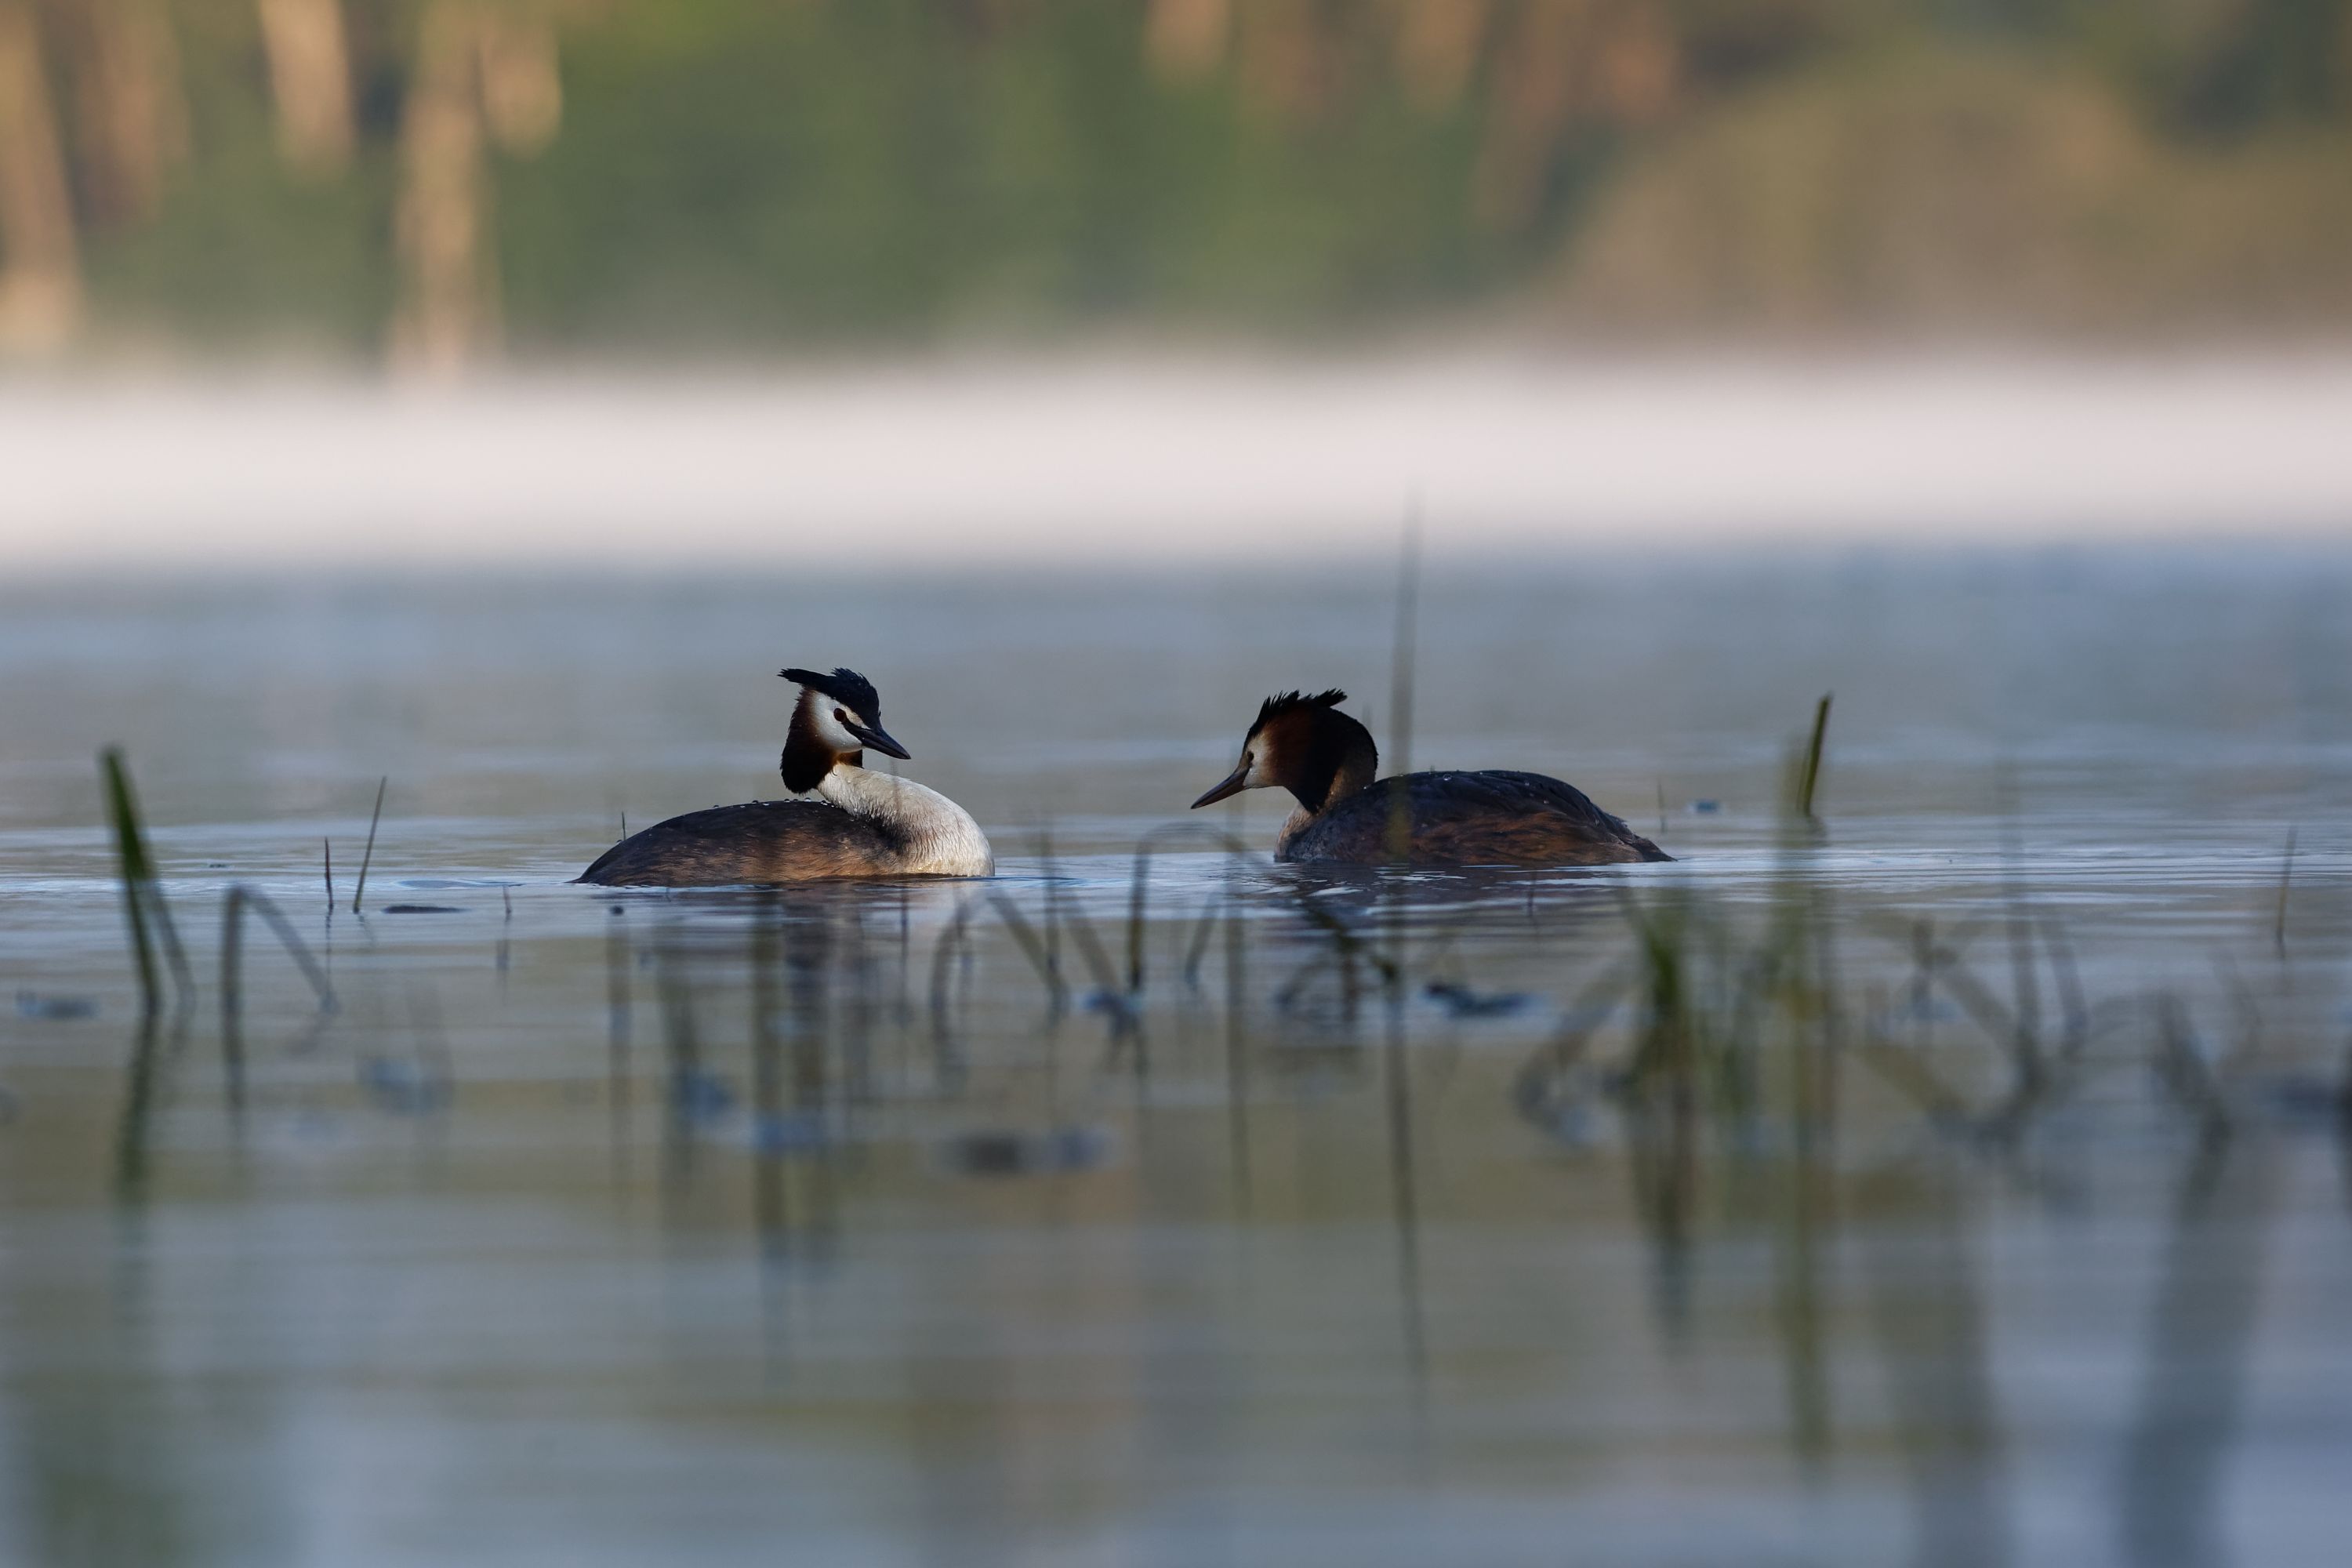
942,840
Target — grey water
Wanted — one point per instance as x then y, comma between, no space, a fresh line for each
1155,1202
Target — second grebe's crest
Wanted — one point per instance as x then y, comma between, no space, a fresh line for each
1287,703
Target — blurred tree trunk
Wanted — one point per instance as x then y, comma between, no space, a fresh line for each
311,76
1437,48
1187,38
483,72
1641,63
40,278
1284,59
134,126
448,314
1535,93
1603,62
522,91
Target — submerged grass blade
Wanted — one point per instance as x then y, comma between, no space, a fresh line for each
2182,1069
617,1023
239,899
1138,899
947,1055
1197,948
1237,1050
2074,1010
1538,1089
232,962
1346,945
682,1048
1053,936
1033,946
1090,949
1908,1075
136,1122
767,1060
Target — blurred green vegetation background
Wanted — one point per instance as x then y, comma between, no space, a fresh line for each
445,181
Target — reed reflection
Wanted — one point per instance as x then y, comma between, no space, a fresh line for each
1114,1192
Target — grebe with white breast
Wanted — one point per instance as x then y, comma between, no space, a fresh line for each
859,824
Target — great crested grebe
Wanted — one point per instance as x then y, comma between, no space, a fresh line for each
861,824
1308,747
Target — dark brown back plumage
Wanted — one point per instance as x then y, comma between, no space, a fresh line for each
1493,819
763,841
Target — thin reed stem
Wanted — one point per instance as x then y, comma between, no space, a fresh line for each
2286,876
373,817
1811,776
144,909
131,857
1401,670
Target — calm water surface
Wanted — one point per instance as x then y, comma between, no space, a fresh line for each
628,1228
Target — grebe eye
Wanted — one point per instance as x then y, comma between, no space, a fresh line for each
841,718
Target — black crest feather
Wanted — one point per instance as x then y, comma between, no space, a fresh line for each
1275,707
845,686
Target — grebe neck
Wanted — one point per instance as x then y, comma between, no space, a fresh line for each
941,838
807,756
1339,759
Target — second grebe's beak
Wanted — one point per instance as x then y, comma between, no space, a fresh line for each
1236,782
877,738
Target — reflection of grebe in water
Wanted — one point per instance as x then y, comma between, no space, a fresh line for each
861,824
1306,745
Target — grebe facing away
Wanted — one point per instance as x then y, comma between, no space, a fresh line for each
1498,819
861,824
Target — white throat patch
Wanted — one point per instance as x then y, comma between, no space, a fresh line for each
829,730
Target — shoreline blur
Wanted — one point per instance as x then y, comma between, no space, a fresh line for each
1029,462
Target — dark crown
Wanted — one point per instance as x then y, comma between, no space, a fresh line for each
1291,702
843,685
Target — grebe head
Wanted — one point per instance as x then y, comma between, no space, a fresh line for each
1300,743
844,711
838,716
